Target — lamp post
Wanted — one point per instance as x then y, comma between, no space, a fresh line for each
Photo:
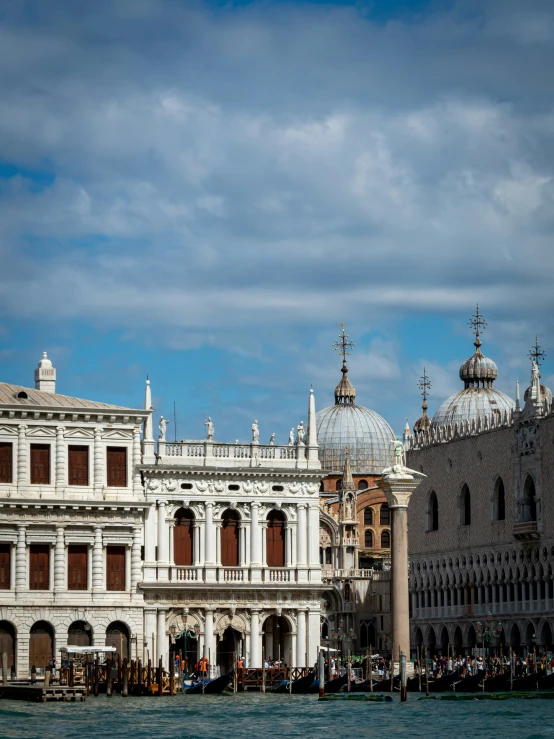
186,634
487,633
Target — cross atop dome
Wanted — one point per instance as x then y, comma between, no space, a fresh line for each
343,345
537,353
478,324
345,392
423,423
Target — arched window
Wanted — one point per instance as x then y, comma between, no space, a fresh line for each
529,503
368,539
117,635
338,485
79,634
465,507
183,532
362,484
275,539
433,512
384,515
230,538
499,501
368,516
385,540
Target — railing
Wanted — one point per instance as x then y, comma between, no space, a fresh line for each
274,574
228,574
211,453
330,573
184,574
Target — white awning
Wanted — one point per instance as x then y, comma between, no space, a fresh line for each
87,650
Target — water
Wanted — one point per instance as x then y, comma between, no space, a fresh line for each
252,715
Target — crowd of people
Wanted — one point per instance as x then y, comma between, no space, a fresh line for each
467,665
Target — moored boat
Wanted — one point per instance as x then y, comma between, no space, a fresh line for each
217,685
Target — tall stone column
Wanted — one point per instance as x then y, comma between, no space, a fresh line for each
22,459
98,561
302,526
255,641
254,535
137,483
150,543
209,646
398,484
314,632
301,646
21,561
313,544
60,580
161,639
210,544
61,480
163,543
150,627
135,559
98,467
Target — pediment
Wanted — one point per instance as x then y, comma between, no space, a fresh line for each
119,434
41,431
8,430
79,434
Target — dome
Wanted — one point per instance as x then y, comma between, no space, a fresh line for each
363,432
478,369
471,403
45,363
546,394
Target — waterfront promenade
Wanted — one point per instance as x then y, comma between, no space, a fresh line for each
252,715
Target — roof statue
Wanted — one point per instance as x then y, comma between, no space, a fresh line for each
478,399
537,355
163,428
348,425
209,429
423,423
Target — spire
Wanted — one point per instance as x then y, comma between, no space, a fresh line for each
423,423
345,393
478,324
537,354
45,375
148,431
312,429
518,406
347,480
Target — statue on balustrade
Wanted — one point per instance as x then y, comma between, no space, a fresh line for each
300,433
209,429
272,440
255,433
163,428
291,437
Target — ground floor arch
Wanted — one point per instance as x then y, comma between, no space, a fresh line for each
229,649
79,634
41,644
8,642
275,642
117,635
546,636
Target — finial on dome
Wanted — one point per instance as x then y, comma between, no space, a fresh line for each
537,353
423,423
478,323
345,393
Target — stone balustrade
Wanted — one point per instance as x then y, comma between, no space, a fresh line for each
211,454
224,574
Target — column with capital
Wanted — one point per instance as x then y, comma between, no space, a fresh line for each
398,484
135,560
61,480
210,541
255,641
98,561
21,561
60,580
313,544
98,467
137,483
314,635
162,640
301,646
209,644
163,543
150,543
22,459
255,547
301,540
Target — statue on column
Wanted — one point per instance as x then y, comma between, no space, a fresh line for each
209,429
272,440
398,448
163,428
300,433
255,433
291,437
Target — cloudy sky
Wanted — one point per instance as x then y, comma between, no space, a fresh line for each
204,191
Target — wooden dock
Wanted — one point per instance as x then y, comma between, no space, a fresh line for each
40,694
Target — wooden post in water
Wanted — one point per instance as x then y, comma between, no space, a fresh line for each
371,669
426,673
263,669
71,679
4,668
109,681
95,676
172,678
290,671
149,678
511,669
321,672
119,672
418,670
161,678
124,679
403,683
47,676
87,675
139,680
348,675
392,668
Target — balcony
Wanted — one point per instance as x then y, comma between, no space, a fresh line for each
525,531
328,572
246,575
211,454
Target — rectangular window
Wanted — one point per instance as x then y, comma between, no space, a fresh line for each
39,567
77,465
40,464
115,568
77,566
116,466
5,566
6,463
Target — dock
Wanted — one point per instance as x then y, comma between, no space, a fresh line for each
23,691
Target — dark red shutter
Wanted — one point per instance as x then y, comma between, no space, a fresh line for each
230,543
77,567
39,567
275,543
6,463
117,466
182,542
115,570
78,465
40,464
4,566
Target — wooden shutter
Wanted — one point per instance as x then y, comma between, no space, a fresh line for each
230,543
78,465
77,567
6,463
40,464
117,466
182,542
39,567
115,570
4,567
275,543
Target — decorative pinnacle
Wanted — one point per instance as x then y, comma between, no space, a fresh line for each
424,385
537,354
343,345
478,324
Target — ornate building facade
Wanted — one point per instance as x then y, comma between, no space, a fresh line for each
109,538
482,522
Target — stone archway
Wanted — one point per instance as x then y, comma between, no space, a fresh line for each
8,642
41,644
229,648
79,634
515,637
117,635
546,637
276,629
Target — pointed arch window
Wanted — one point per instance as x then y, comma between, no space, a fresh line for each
433,512
499,501
465,506
529,502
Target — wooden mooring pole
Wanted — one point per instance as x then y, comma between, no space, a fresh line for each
403,681
371,669
321,672
124,679
95,677
4,668
109,678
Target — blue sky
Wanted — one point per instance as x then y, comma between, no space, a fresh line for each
204,191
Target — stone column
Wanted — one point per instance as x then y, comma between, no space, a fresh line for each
98,478
150,630
209,646
217,531
288,536
21,561
22,459
172,543
209,536
98,561
398,484
161,639
301,536
263,530
61,480
135,559
255,641
150,543
60,580
254,533
313,618
196,545
301,647
242,545
163,543
137,483
313,544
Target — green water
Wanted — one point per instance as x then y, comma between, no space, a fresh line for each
254,715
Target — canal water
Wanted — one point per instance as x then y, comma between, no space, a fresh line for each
252,715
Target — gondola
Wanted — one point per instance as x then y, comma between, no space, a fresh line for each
498,682
526,682
471,684
331,686
302,685
217,685
546,682
442,683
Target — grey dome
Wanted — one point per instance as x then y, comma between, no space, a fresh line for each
478,369
546,394
471,403
365,433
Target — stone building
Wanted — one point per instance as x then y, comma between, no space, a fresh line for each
482,522
354,449
107,538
